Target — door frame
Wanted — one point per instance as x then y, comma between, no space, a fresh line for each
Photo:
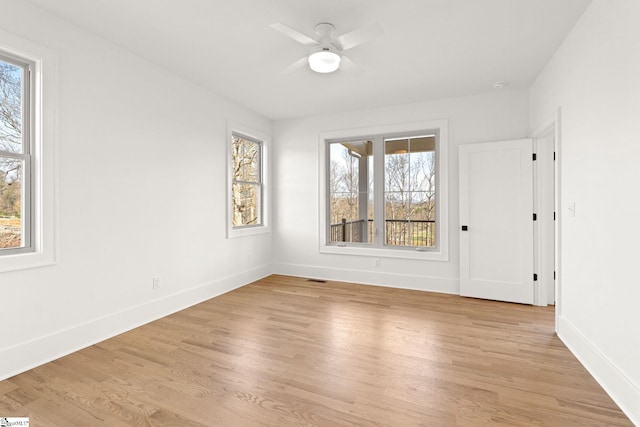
552,124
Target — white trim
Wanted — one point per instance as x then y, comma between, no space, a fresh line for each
32,353
391,280
442,192
553,123
45,132
233,127
544,205
624,392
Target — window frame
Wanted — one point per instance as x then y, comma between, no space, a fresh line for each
237,130
378,134
42,128
25,156
381,223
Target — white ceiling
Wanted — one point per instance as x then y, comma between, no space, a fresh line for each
431,49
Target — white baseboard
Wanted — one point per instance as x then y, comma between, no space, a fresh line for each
391,280
28,355
624,392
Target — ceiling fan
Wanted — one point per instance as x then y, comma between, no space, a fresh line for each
326,51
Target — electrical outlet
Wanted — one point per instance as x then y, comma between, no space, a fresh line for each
156,282
376,263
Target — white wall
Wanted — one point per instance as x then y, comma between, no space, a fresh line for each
595,80
495,116
141,192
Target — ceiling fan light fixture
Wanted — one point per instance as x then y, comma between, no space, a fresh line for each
324,61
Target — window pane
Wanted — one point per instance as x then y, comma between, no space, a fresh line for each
351,192
246,160
11,179
396,165
409,219
247,182
11,79
410,184
246,204
346,223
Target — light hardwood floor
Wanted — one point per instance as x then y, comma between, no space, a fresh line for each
286,351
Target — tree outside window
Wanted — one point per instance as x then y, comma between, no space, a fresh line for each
246,181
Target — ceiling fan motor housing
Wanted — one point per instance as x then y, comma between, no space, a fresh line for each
324,30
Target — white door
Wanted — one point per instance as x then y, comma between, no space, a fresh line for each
496,221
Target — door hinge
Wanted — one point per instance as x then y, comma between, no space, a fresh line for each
554,275
535,277
534,157
535,217
554,216
554,155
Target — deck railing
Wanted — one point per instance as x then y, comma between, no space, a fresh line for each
398,232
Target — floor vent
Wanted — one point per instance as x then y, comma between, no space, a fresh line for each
316,281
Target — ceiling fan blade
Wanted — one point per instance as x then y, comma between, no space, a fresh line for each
360,36
296,65
350,67
294,34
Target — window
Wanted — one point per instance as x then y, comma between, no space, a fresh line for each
247,192
15,155
351,191
27,147
384,194
246,188
410,191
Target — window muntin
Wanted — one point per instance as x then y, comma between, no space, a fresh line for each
15,156
400,213
247,182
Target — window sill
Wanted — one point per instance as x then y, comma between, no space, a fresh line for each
411,254
249,231
25,261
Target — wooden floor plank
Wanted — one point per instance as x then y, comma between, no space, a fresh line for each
285,351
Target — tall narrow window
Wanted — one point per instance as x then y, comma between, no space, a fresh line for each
246,186
15,156
27,153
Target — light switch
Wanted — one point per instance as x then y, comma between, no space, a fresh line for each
572,209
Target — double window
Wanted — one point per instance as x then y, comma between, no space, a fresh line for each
385,193
15,155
